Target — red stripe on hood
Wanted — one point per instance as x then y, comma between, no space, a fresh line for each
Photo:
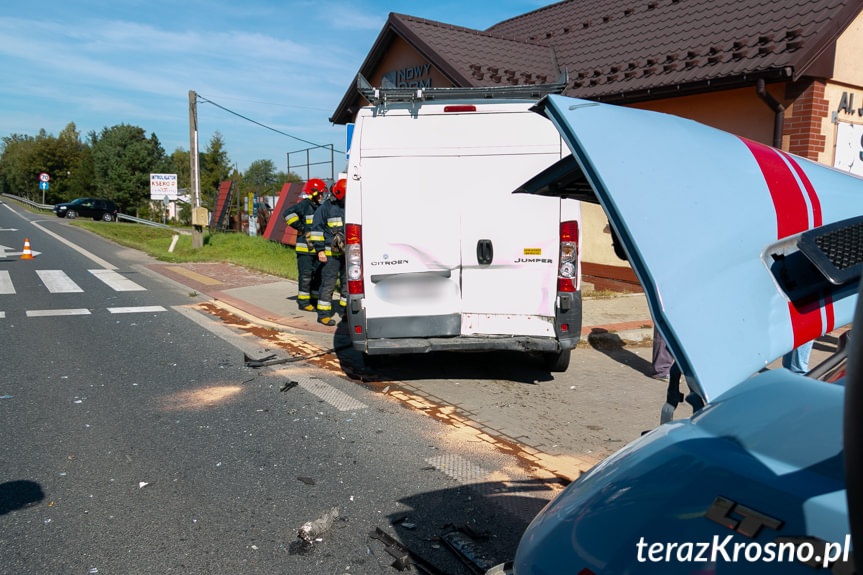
817,221
792,217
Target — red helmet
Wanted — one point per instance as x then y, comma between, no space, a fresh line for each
314,187
339,189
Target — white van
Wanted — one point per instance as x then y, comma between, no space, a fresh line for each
441,255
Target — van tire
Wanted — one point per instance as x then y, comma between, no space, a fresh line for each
557,361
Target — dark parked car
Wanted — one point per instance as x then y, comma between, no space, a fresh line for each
104,210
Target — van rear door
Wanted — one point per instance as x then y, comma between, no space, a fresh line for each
509,247
448,249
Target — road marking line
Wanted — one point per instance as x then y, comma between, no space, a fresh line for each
116,281
56,312
6,282
58,282
200,278
2,315
139,309
96,259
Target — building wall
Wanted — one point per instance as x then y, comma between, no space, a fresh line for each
844,92
405,65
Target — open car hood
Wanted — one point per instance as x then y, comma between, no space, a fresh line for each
713,226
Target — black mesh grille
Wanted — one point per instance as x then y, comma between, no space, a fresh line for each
843,247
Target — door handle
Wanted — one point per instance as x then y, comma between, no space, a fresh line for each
484,252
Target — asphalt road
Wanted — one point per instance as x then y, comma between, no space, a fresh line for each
135,440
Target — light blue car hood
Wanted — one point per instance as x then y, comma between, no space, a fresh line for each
704,217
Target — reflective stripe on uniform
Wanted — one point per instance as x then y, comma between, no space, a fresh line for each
303,248
316,236
304,295
309,219
335,222
324,305
292,218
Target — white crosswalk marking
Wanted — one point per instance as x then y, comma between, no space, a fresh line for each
6,283
116,281
56,312
58,282
138,309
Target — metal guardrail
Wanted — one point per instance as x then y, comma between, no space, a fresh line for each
152,224
30,203
50,207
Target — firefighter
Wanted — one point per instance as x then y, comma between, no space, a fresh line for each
328,240
300,216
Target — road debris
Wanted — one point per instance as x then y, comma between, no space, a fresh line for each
306,480
269,360
403,558
470,553
290,384
313,530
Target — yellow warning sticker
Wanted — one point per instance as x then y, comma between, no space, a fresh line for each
532,251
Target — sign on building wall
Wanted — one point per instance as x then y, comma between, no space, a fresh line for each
163,187
410,77
849,148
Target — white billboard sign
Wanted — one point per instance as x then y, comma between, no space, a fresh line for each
849,148
163,187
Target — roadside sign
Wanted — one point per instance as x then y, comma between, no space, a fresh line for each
163,186
43,177
43,185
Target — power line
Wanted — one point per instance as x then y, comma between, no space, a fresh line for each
202,99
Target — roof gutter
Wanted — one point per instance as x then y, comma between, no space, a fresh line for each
778,109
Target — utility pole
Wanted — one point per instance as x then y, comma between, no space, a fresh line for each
195,184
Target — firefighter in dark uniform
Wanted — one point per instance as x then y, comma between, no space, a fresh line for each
300,216
328,240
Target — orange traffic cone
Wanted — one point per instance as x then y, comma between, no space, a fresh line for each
26,254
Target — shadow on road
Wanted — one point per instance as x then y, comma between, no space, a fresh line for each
16,495
485,520
615,348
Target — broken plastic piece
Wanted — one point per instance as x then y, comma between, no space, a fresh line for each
312,530
468,551
403,558
290,384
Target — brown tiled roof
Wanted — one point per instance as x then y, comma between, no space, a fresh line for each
474,58
630,50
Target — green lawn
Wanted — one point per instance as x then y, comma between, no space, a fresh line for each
254,253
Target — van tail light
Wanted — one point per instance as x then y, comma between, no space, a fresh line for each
567,271
354,259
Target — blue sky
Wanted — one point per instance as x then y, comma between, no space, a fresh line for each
285,64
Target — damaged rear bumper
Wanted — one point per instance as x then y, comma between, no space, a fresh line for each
463,343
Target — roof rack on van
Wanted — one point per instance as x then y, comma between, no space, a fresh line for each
377,96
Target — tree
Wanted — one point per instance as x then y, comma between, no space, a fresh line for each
215,165
180,166
123,159
261,176
283,178
17,165
69,165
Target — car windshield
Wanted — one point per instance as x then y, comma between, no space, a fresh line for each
78,201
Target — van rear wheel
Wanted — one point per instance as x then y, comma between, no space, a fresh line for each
557,361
